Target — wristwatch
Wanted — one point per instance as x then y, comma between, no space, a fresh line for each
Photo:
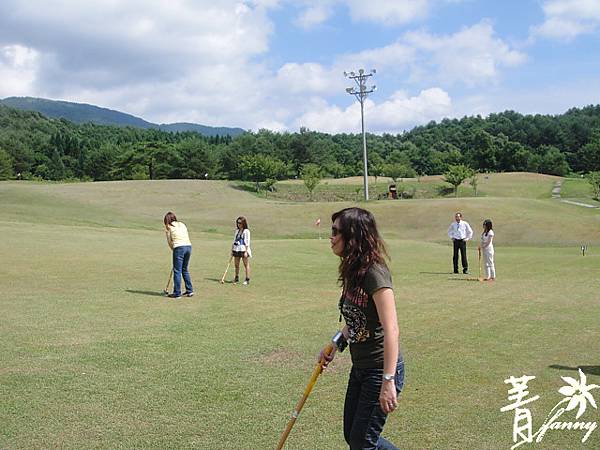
389,377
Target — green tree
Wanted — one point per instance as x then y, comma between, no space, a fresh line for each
398,157
301,149
269,185
56,167
6,168
588,156
397,170
336,170
376,165
594,179
99,164
259,168
455,175
422,160
197,161
474,181
160,160
311,175
483,151
553,161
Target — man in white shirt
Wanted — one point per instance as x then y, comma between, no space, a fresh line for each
460,232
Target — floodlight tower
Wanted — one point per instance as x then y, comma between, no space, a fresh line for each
361,94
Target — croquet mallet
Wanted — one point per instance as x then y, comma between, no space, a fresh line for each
226,270
300,404
479,255
166,289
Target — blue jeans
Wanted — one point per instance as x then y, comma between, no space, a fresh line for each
363,417
181,259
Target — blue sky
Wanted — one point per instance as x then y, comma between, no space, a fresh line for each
278,64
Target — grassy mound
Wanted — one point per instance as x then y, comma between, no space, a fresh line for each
92,356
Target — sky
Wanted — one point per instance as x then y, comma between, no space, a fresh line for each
279,64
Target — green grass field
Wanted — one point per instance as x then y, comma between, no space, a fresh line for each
92,356
350,189
578,189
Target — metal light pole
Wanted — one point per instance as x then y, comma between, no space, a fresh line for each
361,94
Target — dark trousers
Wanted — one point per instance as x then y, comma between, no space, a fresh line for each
460,244
363,417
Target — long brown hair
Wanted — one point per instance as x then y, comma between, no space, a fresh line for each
244,223
363,246
487,226
170,218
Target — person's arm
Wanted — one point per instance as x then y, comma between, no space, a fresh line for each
327,359
386,310
469,231
169,238
451,231
247,242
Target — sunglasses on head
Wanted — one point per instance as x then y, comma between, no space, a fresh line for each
335,231
238,222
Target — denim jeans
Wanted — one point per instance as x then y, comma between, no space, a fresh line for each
181,259
363,417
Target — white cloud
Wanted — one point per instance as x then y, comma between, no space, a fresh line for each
401,111
398,113
472,56
385,12
567,19
551,97
308,77
314,15
206,62
191,61
388,12
395,57
18,67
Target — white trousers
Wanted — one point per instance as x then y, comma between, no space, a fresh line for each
488,262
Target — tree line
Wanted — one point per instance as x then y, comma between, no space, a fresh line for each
34,146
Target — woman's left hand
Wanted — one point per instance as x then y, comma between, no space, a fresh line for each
245,254
387,397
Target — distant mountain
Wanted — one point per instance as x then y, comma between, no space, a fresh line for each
84,113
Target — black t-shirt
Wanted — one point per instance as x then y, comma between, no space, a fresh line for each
360,314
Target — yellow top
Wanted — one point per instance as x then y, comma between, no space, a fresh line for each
177,235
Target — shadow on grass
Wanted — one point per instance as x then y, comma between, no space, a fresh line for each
218,280
436,273
589,370
463,279
152,293
246,187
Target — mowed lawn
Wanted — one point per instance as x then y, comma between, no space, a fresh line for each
92,356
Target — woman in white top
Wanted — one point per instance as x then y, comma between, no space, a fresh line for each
487,249
240,249
179,241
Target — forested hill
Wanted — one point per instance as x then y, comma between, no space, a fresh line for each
84,113
33,145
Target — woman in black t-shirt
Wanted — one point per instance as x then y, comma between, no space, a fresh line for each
369,309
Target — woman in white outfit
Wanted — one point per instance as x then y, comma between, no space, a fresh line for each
240,249
487,250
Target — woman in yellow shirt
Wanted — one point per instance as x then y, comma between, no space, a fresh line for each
179,241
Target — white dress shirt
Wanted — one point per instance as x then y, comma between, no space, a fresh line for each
460,230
